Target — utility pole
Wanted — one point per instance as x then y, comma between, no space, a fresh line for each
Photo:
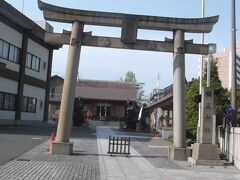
202,58
22,6
201,75
234,88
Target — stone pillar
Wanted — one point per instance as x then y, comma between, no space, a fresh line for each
206,153
165,119
168,117
178,152
207,110
179,90
158,119
62,144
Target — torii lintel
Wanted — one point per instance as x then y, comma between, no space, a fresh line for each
68,15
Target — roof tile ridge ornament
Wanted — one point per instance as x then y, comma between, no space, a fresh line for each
61,14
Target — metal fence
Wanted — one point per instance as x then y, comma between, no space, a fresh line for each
119,145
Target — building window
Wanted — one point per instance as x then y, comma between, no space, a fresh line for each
29,104
9,51
1,48
33,62
5,50
7,101
104,111
1,100
25,104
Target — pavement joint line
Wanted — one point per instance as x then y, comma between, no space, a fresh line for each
45,168
52,175
73,172
160,147
4,168
26,170
64,171
101,159
48,172
13,165
69,172
32,173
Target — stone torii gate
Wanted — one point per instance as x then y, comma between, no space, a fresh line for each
130,25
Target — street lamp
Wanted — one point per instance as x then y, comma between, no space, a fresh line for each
212,48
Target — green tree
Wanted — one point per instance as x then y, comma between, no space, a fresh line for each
222,98
140,92
238,113
192,108
131,78
192,90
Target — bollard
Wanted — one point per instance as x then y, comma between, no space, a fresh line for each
50,143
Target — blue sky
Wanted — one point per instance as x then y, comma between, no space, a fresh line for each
111,64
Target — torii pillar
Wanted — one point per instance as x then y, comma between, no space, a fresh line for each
62,145
178,152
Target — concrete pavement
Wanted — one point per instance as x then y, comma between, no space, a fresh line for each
38,163
91,162
137,167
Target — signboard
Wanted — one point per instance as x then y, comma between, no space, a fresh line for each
207,110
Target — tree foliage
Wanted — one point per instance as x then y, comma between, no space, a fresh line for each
192,108
131,78
221,98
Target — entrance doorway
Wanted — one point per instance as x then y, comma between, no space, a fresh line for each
103,111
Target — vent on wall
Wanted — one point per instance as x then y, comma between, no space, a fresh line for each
44,65
41,104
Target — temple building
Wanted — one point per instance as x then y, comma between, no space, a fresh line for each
101,100
160,112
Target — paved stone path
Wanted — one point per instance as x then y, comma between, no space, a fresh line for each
153,149
137,167
90,161
40,164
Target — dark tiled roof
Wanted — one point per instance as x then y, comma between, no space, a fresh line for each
56,77
106,90
103,90
166,100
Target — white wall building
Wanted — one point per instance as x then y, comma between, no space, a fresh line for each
225,66
25,66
